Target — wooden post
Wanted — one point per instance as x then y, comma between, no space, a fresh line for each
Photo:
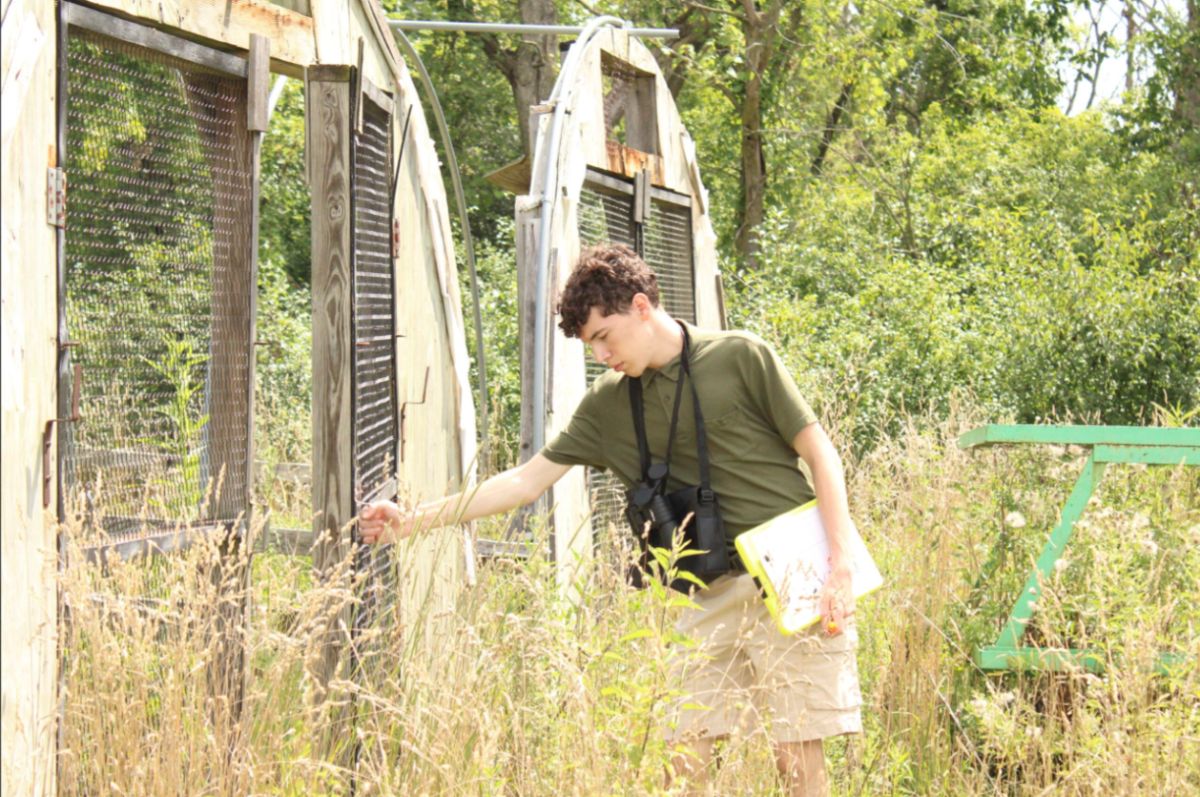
332,259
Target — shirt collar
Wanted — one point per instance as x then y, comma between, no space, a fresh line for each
674,367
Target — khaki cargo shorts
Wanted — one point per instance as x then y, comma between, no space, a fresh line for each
745,674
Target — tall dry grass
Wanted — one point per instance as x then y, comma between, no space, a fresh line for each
517,689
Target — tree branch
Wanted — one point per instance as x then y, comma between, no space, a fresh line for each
702,7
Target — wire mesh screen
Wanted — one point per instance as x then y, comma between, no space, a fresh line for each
667,248
374,306
158,293
604,218
375,436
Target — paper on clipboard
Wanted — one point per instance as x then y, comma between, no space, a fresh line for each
789,555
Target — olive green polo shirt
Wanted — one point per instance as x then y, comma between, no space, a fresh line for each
752,413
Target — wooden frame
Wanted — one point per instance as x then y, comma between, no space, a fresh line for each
136,33
231,23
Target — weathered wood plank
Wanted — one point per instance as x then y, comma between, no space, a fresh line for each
231,22
332,259
153,39
258,77
28,358
331,28
377,96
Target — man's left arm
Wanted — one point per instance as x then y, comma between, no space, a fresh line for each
829,483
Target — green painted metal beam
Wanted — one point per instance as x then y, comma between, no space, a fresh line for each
993,434
1109,444
1149,455
1022,612
995,659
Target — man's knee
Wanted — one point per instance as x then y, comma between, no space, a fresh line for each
803,763
693,763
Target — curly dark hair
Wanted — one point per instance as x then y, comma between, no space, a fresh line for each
606,277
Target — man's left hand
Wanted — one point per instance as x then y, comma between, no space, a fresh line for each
837,601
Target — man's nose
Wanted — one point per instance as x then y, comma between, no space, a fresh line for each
600,354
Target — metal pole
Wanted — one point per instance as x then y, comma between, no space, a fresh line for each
500,27
561,99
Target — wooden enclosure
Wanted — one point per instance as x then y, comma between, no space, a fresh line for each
627,172
393,411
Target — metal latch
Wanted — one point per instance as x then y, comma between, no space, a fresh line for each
47,436
404,412
56,197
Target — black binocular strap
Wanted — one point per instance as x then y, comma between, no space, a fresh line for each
639,423
701,434
639,419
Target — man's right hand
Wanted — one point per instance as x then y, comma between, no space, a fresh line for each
381,522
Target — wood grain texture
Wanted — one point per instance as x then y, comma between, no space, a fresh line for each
28,362
331,32
231,22
258,78
333,492
153,39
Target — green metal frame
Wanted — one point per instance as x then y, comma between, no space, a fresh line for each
1109,445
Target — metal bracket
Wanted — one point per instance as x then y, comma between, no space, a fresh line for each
48,438
56,197
404,411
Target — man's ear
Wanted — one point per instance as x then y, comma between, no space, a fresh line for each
641,303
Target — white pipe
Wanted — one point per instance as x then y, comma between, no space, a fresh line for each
276,93
498,27
561,97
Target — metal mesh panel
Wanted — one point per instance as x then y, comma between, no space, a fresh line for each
158,294
666,244
667,248
604,218
374,306
375,436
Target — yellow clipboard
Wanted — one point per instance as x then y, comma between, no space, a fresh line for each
789,558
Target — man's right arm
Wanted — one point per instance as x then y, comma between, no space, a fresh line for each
383,521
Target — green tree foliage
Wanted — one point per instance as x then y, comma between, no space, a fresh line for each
285,225
930,221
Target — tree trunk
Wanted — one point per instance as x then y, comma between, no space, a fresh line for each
532,66
754,175
831,124
1187,92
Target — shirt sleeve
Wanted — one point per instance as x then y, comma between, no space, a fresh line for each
580,443
774,391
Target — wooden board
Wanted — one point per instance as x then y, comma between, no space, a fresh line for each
231,22
28,352
333,492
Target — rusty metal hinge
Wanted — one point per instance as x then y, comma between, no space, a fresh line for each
395,238
48,437
56,197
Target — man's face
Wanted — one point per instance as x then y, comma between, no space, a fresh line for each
621,340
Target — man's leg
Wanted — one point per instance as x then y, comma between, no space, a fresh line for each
695,769
802,764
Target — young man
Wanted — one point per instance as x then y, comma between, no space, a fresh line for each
759,428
